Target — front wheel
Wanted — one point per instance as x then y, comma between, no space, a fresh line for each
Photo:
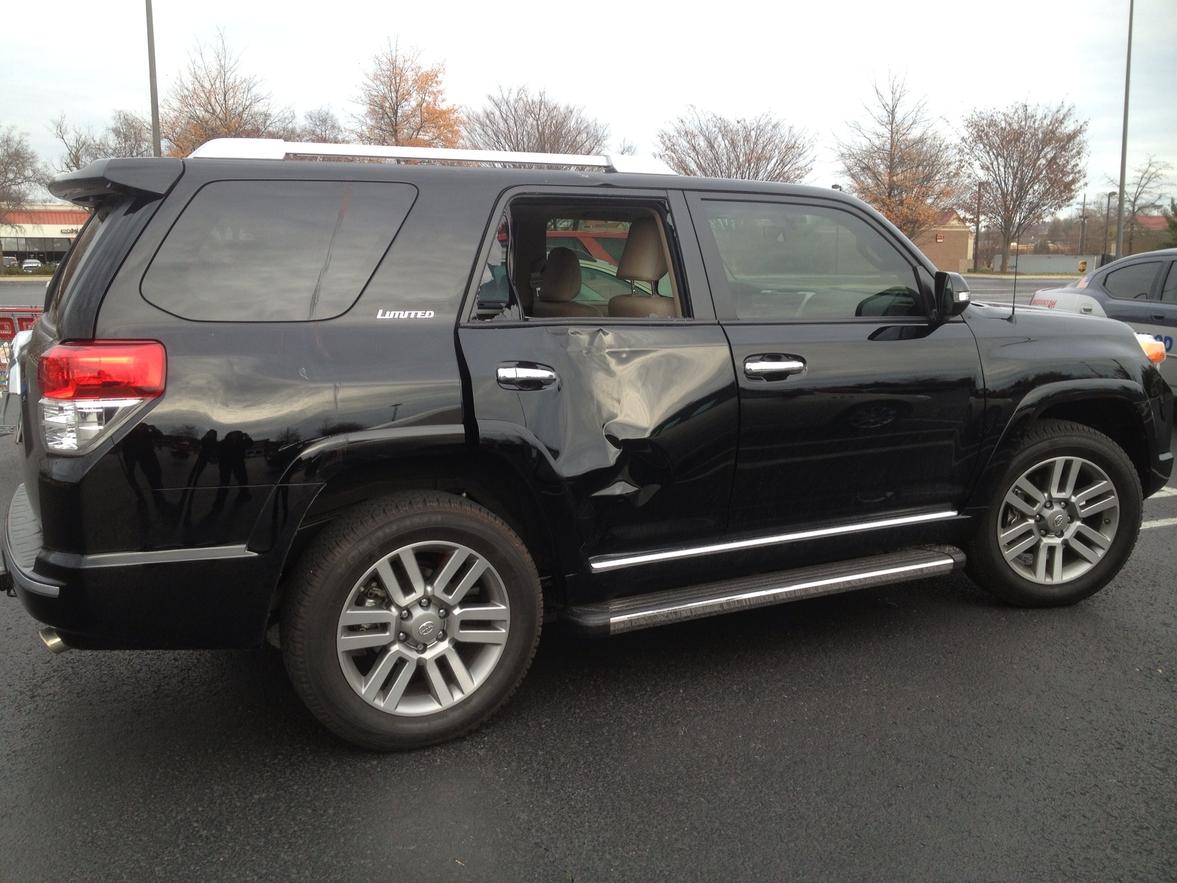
411,621
1063,520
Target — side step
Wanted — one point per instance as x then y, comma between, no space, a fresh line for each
708,599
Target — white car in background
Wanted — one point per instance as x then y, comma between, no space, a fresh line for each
1140,290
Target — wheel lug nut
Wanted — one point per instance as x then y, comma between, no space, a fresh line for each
441,636
401,636
442,612
404,614
424,602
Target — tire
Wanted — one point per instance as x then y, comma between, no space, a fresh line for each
1091,554
366,654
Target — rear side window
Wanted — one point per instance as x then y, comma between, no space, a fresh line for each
275,251
1133,282
60,286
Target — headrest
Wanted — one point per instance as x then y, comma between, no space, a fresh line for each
560,281
644,257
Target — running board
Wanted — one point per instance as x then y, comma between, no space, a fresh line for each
708,599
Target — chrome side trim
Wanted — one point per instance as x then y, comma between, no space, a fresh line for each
162,556
604,563
696,609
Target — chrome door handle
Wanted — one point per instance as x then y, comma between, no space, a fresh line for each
526,376
772,366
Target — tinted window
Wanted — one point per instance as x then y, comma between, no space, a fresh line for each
1169,292
1133,282
277,251
807,263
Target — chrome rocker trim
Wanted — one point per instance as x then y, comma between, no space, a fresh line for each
604,563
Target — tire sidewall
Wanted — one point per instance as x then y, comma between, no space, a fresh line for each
336,577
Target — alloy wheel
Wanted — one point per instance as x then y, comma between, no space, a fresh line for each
1058,520
423,628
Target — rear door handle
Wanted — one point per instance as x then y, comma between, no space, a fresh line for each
1159,317
526,375
772,366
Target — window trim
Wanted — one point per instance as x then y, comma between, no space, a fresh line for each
672,228
1153,290
183,210
725,306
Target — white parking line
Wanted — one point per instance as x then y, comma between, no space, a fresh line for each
1165,492
1160,522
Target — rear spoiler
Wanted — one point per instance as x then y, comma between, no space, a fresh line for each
149,175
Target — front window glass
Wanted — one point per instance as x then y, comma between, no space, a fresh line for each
785,262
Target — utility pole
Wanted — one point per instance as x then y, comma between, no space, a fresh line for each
977,232
151,76
1124,140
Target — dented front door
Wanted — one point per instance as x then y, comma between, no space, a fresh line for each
633,426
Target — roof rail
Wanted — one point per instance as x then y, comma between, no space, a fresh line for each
276,148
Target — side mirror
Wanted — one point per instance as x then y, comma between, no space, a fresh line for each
952,294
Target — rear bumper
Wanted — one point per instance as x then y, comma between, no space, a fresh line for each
200,597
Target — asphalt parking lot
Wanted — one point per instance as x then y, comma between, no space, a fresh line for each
912,732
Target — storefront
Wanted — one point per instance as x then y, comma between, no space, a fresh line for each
43,232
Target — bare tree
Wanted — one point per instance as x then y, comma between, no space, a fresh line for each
20,171
1141,192
213,98
403,102
1031,160
516,119
899,164
322,126
127,134
762,148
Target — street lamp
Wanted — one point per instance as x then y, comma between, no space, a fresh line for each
1124,139
151,77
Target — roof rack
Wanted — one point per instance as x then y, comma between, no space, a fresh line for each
276,148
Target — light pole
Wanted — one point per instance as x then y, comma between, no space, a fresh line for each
1124,139
151,76
1107,223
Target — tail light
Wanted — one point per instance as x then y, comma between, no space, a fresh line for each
88,388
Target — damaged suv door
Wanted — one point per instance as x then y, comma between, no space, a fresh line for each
628,422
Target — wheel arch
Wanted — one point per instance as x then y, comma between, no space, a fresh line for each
368,469
1117,408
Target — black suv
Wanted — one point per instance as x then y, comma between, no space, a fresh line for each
395,415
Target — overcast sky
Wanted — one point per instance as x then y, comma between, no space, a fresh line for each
634,65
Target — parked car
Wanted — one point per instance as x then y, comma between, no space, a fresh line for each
30,265
1140,290
329,404
9,261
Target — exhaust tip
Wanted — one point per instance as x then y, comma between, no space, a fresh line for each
52,640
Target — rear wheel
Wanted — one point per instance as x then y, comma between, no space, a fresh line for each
1063,521
411,621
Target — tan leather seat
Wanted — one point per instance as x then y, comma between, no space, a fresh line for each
643,260
559,283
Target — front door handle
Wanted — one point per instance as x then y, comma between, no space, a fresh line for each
1158,317
772,366
526,375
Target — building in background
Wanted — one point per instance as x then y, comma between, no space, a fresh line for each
43,232
948,243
